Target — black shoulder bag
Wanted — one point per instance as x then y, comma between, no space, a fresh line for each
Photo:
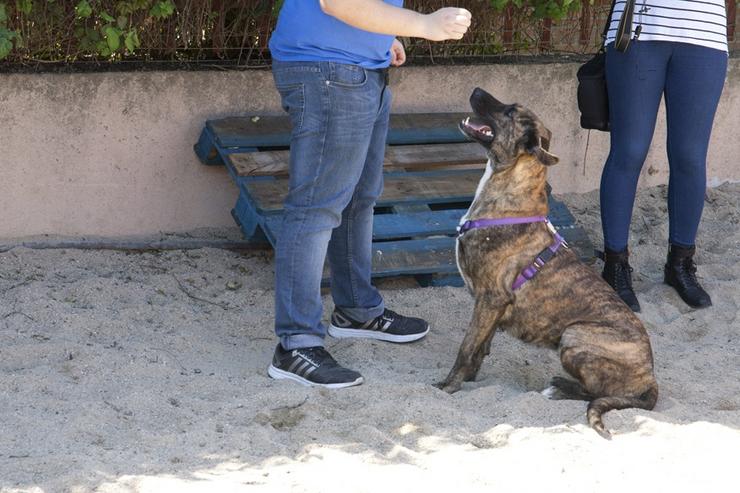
593,101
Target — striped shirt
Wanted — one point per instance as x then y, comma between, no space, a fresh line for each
699,22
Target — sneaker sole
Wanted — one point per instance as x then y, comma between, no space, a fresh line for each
340,333
279,374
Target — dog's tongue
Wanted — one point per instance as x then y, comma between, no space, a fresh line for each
477,126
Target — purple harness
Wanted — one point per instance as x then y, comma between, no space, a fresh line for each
539,261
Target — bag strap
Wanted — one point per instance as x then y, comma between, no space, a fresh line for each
624,29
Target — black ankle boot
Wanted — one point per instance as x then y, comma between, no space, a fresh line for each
680,272
618,273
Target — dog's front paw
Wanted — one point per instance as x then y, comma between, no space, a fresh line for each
449,387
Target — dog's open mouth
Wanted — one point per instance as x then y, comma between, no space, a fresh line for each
475,129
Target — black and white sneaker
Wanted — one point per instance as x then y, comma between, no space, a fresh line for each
311,366
390,326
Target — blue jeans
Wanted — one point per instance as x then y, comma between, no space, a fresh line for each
691,78
340,117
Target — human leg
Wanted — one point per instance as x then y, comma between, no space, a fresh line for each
350,248
694,82
635,79
332,109
359,308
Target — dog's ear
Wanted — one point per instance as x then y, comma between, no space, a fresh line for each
537,143
542,149
544,156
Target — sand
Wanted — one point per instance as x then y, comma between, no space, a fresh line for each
146,372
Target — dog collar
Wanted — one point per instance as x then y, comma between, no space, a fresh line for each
503,221
540,260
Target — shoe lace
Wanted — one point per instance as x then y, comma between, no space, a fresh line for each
317,355
623,276
687,273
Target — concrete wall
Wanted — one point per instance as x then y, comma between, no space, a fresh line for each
111,154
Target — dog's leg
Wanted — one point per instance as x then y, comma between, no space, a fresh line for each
483,351
564,388
475,345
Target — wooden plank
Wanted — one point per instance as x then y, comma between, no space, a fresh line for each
427,256
416,224
407,257
429,188
426,156
385,226
270,131
426,128
251,131
206,150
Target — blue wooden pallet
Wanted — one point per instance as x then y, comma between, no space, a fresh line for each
415,219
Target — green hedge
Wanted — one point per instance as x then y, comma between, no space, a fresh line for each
237,31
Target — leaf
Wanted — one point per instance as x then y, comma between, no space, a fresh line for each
24,6
132,41
122,22
106,17
3,13
7,34
83,9
112,37
499,4
162,9
102,48
5,47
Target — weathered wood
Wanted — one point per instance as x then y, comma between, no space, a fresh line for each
430,255
251,131
271,131
394,226
427,156
412,257
430,188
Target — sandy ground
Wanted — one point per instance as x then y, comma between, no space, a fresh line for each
147,372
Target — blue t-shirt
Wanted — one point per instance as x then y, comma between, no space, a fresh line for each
306,34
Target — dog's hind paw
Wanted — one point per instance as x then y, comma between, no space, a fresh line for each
449,387
550,392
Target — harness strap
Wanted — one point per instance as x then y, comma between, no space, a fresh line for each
539,261
504,221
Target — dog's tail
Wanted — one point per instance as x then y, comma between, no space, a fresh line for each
599,406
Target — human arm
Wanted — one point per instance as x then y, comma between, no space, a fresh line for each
382,18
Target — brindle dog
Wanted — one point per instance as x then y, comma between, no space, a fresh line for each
567,305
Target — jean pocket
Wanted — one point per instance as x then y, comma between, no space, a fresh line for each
343,75
293,102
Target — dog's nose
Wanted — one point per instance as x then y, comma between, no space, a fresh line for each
482,100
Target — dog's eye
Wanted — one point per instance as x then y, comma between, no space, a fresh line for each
510,112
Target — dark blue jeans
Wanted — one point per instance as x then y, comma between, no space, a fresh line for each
691,78
340,122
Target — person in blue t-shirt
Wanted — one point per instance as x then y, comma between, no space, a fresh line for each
330,62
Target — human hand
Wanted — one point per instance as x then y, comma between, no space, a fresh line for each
446,23
398,53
